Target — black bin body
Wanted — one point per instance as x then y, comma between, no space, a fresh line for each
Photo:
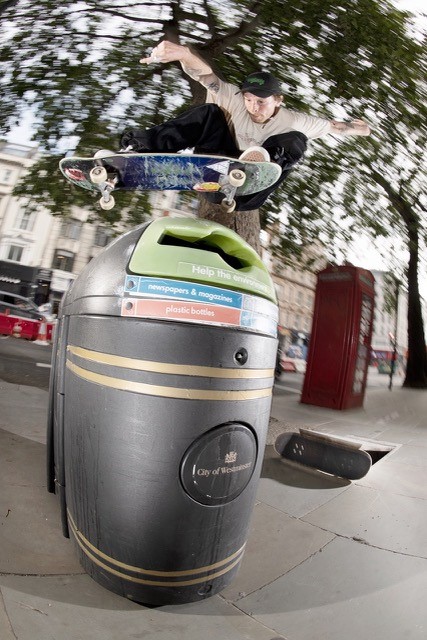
156,433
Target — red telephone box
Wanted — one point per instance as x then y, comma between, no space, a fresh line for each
340,344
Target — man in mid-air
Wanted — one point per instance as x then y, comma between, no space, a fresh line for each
247,122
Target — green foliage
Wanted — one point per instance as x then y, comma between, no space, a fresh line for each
76,67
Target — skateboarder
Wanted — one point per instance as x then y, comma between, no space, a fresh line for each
249,118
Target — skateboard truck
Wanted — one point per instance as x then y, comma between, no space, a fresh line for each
236,178
106,186
99,176
107,201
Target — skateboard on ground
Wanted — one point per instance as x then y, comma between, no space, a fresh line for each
107,171
325,452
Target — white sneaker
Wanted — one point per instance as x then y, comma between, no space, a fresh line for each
104,153
255,154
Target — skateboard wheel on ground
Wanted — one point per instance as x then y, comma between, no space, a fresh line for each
106,205
237,177
98,175
228,206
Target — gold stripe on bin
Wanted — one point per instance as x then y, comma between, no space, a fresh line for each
166,392
98,556
167,367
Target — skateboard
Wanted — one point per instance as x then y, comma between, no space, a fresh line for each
107,171
325,452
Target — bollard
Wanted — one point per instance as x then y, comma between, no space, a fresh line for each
17,330
42,334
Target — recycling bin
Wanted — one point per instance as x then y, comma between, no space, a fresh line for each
159,406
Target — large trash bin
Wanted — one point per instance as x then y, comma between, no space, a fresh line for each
159,408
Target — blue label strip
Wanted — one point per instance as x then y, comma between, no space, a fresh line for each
258,323
182,290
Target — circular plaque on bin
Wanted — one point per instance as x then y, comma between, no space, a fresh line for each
218,466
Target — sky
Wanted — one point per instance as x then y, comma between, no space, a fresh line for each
363,252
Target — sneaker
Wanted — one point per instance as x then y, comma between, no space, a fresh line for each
255,154
131,149
104,153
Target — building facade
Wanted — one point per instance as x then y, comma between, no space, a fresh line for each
40,254
295,293
295,290
390,325
20,254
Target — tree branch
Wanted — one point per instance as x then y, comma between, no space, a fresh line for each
219,43
6,4
211,22
96,8
117,14
398,201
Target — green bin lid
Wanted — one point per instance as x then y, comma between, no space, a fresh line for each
200,251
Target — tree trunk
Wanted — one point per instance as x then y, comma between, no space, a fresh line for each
245,223
416,368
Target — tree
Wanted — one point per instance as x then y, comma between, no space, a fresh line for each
75,65
381,185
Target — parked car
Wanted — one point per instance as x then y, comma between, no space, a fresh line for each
19,316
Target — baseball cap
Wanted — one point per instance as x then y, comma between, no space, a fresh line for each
261,84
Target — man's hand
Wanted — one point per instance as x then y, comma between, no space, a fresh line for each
166,51
353,128
193,66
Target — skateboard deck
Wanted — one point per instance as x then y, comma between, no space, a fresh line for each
324,452
161,172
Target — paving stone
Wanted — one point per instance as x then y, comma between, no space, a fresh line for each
347,591
394,522
276,544
77,608
294,489
31,540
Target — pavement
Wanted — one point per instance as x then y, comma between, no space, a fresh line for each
326,558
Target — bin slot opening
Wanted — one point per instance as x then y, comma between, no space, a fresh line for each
203,245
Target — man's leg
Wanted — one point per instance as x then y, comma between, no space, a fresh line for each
203,127
285,149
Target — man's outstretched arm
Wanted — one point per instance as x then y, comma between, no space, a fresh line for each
192,64
352,128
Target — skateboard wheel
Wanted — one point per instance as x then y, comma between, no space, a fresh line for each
237,177
98,175
228,206
106,205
